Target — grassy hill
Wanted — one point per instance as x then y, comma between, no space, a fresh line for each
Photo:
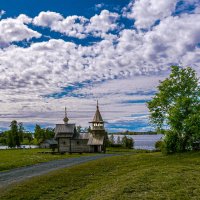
129,176
12,158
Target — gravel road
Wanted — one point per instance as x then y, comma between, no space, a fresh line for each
19,174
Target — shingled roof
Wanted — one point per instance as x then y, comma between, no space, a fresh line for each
95,140
64,130
97,116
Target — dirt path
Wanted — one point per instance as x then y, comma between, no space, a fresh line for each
19,174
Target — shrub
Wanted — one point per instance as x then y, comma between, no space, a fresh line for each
127,142
159,145
116,145
171,142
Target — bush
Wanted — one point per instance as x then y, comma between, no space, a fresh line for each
127,142
116,145
159,145
172,142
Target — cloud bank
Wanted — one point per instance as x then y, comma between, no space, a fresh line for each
121,69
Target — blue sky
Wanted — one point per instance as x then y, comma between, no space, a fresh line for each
70,53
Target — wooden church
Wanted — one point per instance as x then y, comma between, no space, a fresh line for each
72,142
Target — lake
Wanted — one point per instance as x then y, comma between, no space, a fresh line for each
143,141
22,146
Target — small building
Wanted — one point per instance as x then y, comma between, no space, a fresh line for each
49,143
72,142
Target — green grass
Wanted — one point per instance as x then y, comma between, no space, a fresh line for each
134,176
122,150
14,158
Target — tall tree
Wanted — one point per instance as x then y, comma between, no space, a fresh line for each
112,139
49,133
15,132
174,106
38,133
119,140
42,134
4,138
10,139
21,131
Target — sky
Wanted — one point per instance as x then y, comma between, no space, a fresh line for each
56,53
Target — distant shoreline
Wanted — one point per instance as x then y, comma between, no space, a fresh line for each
134,133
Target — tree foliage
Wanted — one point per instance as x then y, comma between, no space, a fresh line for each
14,136
176,107
42,134
3,137
127,142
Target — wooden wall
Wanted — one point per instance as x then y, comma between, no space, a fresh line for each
76,146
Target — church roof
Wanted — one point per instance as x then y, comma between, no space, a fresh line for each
95,139
97,116
64,130
83,136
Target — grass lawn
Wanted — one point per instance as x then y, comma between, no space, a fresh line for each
129,176
13,158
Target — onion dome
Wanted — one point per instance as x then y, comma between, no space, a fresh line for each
65,118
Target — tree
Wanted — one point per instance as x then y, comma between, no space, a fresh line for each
38,133
15,134
4,137
127,142
28,136
112,140
21,131
78,130
119,140
176,108
10,139
42,134
49,133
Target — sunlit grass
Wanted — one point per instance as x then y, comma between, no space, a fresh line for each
133,176
14,158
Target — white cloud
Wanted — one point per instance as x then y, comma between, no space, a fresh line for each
100,24
173,38
129,64
24,19
73,26
99,6
44,68
147,12
78,26
47,18
2,12
14,30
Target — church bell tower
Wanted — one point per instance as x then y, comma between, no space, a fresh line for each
98,139
97,122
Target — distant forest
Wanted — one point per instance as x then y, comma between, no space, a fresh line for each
134,133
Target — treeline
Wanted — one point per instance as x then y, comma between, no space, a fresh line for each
125,142
17,135
41,134
135,133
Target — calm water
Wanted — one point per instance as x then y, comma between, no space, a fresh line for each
22,146
143,141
